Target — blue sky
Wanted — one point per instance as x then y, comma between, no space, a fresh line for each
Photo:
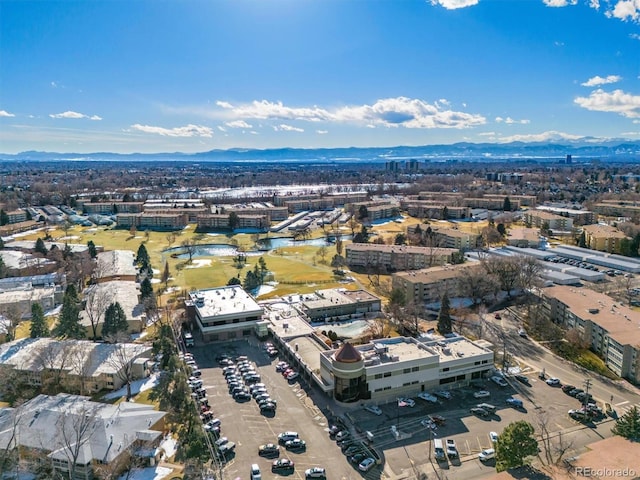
184,75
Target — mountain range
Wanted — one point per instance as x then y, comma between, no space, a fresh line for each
621,150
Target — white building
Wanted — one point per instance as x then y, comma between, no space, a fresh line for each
224,313
392,367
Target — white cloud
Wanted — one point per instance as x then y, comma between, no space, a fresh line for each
511,121
4,113
594,4
221,128
630,134
70,114
389,112
626,10
186,131
597,80
224,104
453,4
540,137
238,124
618,101
253,132
322,132
559,3
635,36
487,134
287,128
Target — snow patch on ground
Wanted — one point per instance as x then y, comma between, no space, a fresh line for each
155,280
136,387
152,473
169,445
172,289
264,289
155,271
199,262
70,237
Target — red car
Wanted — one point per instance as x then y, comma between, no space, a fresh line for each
287,372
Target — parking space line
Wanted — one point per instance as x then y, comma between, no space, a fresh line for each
622,403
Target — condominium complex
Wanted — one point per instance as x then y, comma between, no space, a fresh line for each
603,238
396,257
610,328
540,218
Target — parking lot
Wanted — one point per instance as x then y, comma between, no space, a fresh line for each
242,422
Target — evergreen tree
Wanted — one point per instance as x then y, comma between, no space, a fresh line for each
251,282
40,246
1,243
263,269
362,236
516,442
628,425
69,320
234,221
582,241
146,289
166,275
4,218
93,252
115,322
3,268
501,229
142,257
39,326
444,316
234,281
506,206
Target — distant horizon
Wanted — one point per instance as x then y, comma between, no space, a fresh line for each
190,77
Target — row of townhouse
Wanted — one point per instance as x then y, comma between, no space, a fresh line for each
435,209
396,257
616,209
487,201
275,214
108,208
153,221
327,201
376,210
611,329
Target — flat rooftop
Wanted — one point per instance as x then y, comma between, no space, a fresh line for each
285,321
116,262
436,274
337,296
224,301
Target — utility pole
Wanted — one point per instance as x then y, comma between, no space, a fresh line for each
587,384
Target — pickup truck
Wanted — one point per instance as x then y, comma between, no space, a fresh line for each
452,451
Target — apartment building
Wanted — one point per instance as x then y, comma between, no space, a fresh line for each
610,328
108,208
603,238
396,257
579,217
213,221
376,210
540,218
115,265
152,221
435,209
387,368
101,295
17,216
449,237
274,214
223,313
429,284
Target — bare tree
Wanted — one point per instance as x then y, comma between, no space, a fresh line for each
121,360
53,359
13,315
189,246
75,427
10,454
476,284
80,364
97,301
554,451
379,328
505,269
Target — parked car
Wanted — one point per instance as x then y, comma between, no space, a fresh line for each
452,451
480,412
367,464
482,394
227,448
575,391
221,441
428,397
295,444
281,366
437,419
293,376
284,437
522,379
554,382
315,472
443,394
373,409
567,388
357,458
342,435
269,450
584,397
242,396
493,436
515,403
282,465
406,402
428,423
487,454
499,381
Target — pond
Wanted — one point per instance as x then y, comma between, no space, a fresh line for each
228,250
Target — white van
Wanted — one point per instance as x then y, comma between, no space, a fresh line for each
487,454
438,449
255,472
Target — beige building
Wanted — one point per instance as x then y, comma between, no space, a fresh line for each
523,237
115,265
153,221
99,296
436,209
539,218
340,302
221,221
428,285
617,208
77,365
396,257
609,327
603,238
17,216
108,208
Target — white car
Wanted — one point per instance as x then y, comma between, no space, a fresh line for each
315,472
406,402
443,394
428,397
428,423
554,382
293,376
373,409
498,380
482,394
493,436
367,464
487,454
